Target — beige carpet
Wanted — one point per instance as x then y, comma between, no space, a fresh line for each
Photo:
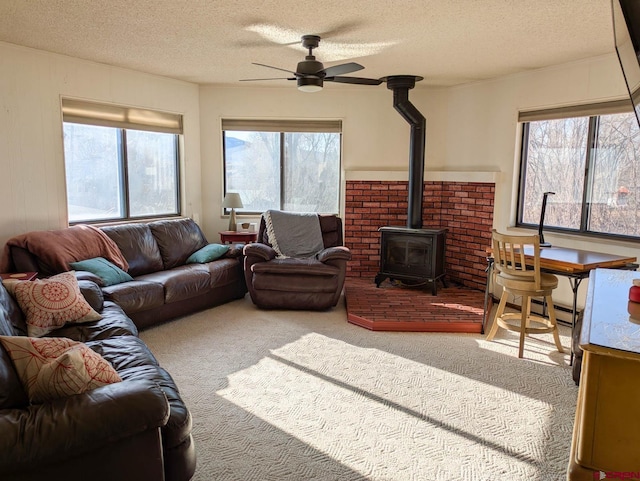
279,395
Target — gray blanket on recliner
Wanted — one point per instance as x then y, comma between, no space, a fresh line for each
294,234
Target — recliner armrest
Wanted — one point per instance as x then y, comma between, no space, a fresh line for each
68,427
334,254
262,251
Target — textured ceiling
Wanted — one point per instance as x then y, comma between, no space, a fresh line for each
448,42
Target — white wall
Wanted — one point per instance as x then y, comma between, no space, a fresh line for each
32,181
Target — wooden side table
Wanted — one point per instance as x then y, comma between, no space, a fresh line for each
19,276
231,236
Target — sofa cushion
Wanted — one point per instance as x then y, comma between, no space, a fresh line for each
138,295
114,323
223,272
124,352
12,394
138,246
177,239
50,303
108,273
183,282
51,368
208,253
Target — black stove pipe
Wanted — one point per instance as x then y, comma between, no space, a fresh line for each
401,84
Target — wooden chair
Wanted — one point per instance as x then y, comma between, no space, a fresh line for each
512,274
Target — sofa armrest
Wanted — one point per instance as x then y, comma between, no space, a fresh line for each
71,426
339,253
235,250
92,294
262,251
89,276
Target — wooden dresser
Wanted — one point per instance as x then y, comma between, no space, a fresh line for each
606,433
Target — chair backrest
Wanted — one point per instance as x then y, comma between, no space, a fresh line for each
509,260
330,225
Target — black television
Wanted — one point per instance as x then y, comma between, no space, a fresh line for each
626,31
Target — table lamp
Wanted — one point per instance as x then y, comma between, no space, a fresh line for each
232,201
544,208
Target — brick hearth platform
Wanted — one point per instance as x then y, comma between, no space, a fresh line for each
395,308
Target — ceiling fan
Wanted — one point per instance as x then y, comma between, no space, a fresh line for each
310,74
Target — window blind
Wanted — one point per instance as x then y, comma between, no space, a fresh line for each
279,125
584,110
111,115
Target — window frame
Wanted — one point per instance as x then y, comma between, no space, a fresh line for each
124,119
282,127
592,134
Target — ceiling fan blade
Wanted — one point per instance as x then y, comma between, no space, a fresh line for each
354,80
277,68
258,79
342,69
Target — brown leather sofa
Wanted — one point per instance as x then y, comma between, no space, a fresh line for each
164,287
137,429
311,284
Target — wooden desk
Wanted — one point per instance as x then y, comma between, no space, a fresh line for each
231,236
574,264
566,261
605,432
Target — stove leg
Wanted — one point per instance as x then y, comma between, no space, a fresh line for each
379,279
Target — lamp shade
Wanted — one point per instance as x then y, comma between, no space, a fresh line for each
232,201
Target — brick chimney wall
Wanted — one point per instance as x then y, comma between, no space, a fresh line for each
465,208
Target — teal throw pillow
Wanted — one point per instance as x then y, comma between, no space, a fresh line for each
105,270
208,253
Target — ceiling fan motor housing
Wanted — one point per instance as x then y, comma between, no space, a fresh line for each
310,66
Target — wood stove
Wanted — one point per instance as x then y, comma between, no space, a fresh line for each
411,253
415,255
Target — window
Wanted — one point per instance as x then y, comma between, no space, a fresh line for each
285,165
119,168
592,164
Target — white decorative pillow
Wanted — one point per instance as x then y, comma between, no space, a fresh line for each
50,303
55,367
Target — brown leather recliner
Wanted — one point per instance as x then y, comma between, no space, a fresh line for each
309,284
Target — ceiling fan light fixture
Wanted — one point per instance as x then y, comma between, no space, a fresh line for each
309,84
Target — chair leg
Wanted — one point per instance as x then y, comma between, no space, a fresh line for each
553,321
499,312
523,323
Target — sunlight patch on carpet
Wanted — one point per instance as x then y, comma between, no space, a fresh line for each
365,406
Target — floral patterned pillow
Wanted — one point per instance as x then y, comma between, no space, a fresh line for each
55,367
51,303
